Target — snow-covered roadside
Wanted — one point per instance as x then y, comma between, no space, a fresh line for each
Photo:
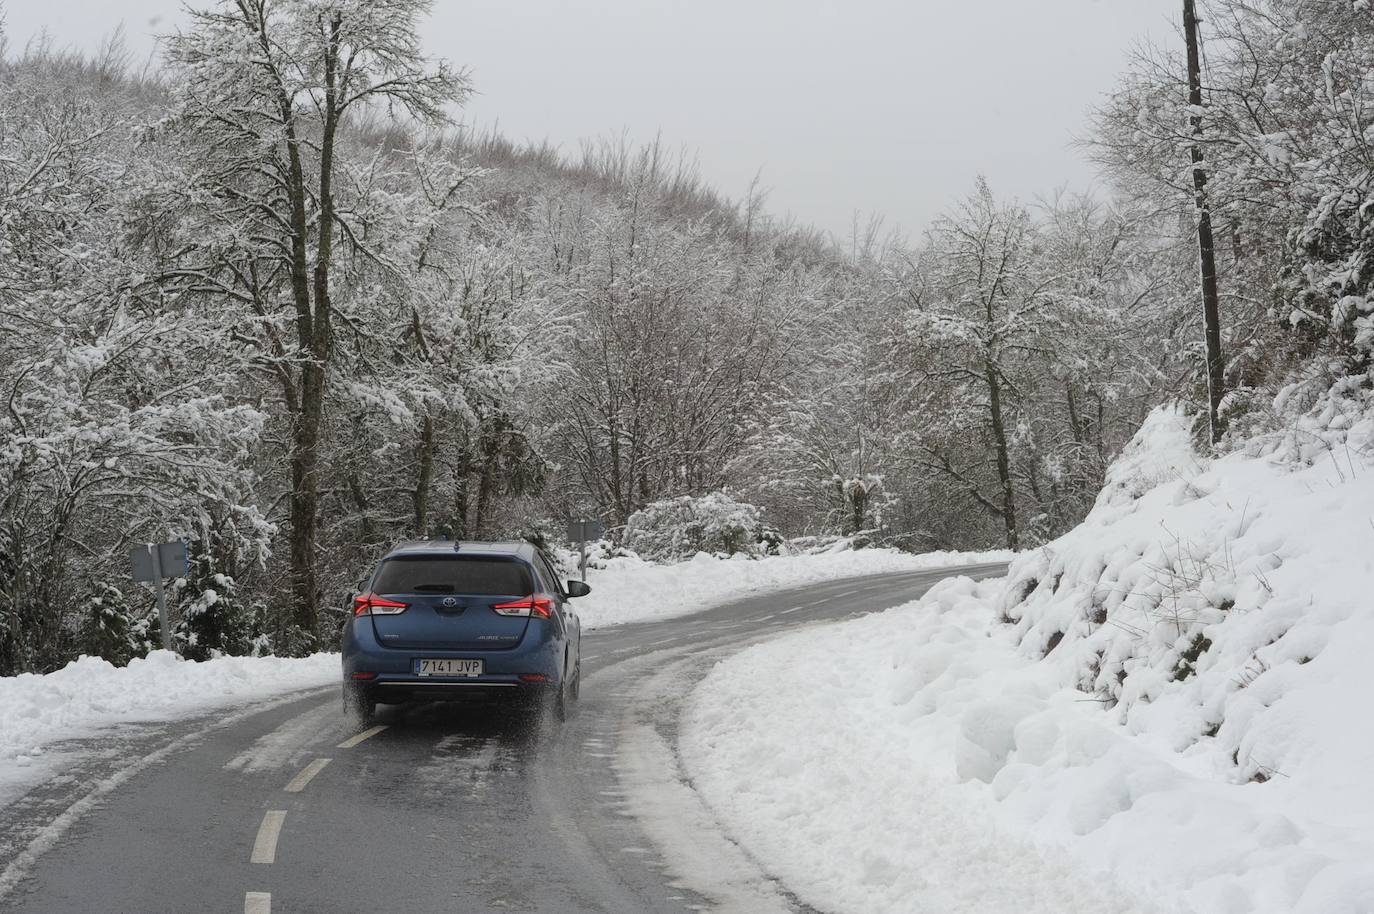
631,590
91,695
1170,699
833,755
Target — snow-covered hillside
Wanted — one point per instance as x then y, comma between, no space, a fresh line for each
1168,702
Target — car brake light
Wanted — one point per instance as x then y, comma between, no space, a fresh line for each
529,606
369,604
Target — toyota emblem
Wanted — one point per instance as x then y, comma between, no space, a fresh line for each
450,601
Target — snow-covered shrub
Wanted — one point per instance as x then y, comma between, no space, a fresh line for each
110,629
678,528
599,555
214,618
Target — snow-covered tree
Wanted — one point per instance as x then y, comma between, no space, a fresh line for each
269,93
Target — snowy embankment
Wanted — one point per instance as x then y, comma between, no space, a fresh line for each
90,694
628,589
1170,701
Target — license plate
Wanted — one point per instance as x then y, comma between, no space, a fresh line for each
448,667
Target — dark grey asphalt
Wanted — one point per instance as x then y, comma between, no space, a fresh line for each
448,809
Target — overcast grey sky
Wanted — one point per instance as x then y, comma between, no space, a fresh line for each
887,106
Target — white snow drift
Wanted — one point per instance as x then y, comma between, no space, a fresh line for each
90,694
629,589
1168,703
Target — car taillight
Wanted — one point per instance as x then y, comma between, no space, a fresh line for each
369,604
528,606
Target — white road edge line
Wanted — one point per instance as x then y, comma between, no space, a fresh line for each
257,903
307,775
265,847
366,734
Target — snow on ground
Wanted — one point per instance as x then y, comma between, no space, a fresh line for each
90,695
628,589
1168,703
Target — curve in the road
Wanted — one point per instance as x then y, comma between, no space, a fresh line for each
434,809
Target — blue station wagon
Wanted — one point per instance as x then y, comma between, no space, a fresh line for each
451,620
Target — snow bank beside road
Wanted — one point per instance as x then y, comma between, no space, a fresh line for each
835,755
631,590
1172,694
90,694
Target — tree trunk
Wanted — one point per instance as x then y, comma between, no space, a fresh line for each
858,498
365,528
460,499
491,443
1211,309
305,585
317,339
424,477
1078,424
999,438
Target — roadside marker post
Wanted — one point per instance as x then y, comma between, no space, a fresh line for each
151,562
580,531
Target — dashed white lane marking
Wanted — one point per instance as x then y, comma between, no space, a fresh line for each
794,609
307,775
358,738
257,903
49,836
265,847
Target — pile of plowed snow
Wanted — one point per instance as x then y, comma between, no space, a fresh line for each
89,694
629,589
1168,703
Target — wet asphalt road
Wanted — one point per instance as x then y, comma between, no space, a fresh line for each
445,809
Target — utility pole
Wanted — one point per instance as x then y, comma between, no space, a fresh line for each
1211,309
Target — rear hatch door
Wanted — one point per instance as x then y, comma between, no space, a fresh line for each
449,600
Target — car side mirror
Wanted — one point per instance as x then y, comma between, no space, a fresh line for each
578,589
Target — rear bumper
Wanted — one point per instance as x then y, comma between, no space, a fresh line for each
395,691
392,676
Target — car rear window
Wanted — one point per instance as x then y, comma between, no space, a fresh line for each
423,574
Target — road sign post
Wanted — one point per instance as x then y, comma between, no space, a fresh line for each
579,531
151,562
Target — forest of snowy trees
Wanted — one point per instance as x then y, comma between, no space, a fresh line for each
272,299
